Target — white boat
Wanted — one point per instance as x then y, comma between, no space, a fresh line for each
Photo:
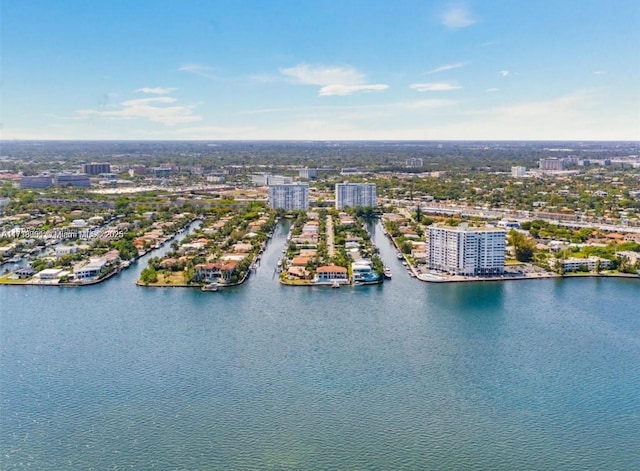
210,287
400,256
335,284
387,272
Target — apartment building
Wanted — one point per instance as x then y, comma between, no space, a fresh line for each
355,194
290,196
464,250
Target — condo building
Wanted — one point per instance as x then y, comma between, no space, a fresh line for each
414,162
74,179
464,250
355,194
96,168
290,196
36,181
518,171
551,164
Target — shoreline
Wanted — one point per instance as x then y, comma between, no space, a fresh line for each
543,275
120,268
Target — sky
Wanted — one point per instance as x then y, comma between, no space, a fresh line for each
320,70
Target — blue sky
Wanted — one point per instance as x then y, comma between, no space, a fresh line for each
296,69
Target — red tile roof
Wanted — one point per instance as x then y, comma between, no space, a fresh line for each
332,269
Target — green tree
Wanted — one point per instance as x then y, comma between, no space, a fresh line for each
524,247
149,275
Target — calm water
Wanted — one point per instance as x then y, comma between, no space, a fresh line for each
522,375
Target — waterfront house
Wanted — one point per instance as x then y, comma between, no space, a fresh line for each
112,256
298,272
26,272
49,274
7,250
205,271
300,261
90,270
363,271
330,274
220,271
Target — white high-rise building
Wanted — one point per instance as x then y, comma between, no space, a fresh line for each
414,162
551,164
465,251
289,196
355,194
517,172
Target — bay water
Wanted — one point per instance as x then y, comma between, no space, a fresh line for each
541,374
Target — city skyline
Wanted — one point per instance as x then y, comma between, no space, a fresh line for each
321,70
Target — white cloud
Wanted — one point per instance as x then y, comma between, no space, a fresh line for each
457,16
323,75
198,69
333,80
341,90
155,90
444,68
599,72
504,73
435,86
492,90
154,109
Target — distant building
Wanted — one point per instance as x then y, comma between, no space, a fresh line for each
551,164
308,173
583,264
570,160
161,171
39,181
279,180
79,180
136,170
215,178
313,173
290,196
518,172
266,179
508,224
96,168
355,194
465,251
414,162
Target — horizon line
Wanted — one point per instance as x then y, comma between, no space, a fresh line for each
319,140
